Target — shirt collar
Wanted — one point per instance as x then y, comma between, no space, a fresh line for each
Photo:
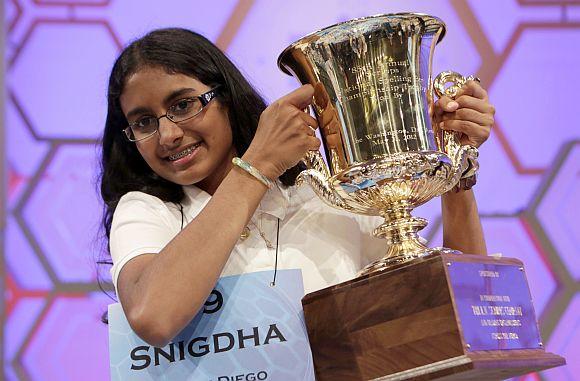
275,202
197,198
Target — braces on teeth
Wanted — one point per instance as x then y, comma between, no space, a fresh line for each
183,153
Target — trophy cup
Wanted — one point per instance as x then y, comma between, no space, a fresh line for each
419,312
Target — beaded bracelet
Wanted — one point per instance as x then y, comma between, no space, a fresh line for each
253,171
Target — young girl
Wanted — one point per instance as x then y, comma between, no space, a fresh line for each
179,214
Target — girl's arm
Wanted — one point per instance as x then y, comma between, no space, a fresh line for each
161,293
461,225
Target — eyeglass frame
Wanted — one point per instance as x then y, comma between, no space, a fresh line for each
204,99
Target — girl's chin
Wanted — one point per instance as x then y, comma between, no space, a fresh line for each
185,180
186,177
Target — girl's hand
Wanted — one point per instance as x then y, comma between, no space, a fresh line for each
470,114
285,133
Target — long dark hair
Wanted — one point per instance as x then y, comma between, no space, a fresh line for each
176,51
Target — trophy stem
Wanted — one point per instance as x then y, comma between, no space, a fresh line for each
400,230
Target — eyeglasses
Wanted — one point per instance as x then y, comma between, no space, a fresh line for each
182,110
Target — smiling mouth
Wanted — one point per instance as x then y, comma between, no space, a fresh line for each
183,153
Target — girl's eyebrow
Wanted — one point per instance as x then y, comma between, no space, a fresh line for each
176,93
168,98
137,111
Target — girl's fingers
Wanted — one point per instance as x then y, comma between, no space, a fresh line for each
470,115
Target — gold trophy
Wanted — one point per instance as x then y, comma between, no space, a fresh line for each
373,88
409,315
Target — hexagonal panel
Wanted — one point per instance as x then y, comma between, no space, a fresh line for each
64,214
70,333
256,52
500,188
73,2
16,183
527,377
12,12
129,24
16,328
574,13
24,153
564,341
499,30
558,209
22,261
535,94
511,237
542,3
432,212
30,14
76,60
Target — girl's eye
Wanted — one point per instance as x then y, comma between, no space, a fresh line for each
145,122
182,107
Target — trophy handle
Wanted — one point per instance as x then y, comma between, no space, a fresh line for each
455,79
317,176
314,161
464,157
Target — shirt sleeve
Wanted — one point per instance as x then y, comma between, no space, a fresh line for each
141,225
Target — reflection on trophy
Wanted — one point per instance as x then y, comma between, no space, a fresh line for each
408,316
372,79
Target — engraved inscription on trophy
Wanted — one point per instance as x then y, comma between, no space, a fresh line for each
391,93
382,81
494,305
493,315
379,138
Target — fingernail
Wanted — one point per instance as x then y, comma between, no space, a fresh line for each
452,105
442,125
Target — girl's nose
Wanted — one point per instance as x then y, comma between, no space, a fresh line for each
169,132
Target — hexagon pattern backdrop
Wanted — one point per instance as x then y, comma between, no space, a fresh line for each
58,55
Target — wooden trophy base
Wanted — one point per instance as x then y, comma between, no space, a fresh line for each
405,324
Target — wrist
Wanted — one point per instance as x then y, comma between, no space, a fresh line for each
465,184
457,202
263,166
253,171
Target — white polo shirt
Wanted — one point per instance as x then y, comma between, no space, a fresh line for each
329,246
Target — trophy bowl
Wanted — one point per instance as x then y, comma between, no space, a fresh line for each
373,93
